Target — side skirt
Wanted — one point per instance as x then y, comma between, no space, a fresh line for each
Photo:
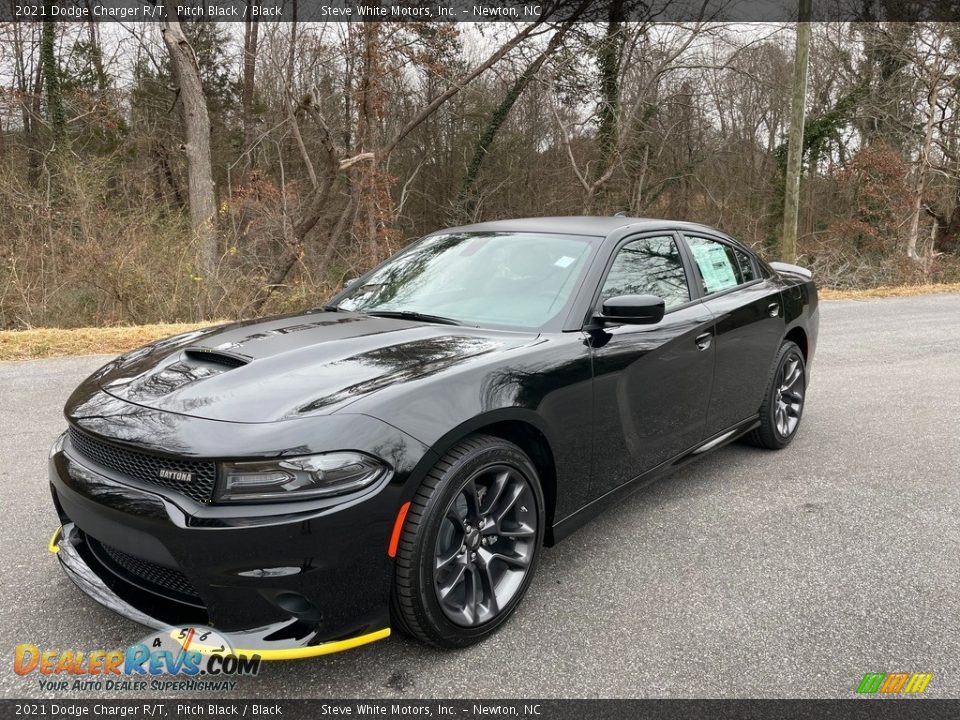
579,518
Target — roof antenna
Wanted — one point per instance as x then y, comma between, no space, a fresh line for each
620,214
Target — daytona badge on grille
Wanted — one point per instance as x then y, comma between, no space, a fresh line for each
178,475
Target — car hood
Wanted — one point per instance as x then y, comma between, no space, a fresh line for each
294,366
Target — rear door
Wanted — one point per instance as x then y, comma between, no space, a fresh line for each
651,382
749,326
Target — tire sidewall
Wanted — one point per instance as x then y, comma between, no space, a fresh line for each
455,478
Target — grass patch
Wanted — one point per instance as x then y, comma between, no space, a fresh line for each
58,342
889,291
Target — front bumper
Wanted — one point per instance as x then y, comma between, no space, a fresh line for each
304,583
67,542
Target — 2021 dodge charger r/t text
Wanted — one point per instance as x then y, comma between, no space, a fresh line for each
399,457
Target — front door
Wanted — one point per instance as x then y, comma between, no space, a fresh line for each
651,382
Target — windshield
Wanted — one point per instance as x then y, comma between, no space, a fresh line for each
512,279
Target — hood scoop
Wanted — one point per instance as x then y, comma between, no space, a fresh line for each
194,365
215,357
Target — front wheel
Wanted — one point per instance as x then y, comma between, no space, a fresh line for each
469,544
783,400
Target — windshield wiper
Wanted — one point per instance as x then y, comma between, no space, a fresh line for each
412,315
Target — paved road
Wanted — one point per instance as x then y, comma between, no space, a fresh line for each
749,573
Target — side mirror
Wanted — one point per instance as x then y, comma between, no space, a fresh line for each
632,310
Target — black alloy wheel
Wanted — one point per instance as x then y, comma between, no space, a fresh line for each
783,401
485,545
469,545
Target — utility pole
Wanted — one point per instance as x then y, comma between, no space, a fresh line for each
791,200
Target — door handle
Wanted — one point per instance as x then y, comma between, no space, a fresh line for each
703,341
773,309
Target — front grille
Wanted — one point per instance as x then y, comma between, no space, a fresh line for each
149,574
146,467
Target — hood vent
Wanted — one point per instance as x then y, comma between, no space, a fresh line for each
215,357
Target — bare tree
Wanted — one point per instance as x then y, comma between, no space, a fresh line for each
933,70
196,128
251,32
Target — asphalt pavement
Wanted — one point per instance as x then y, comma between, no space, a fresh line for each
749,573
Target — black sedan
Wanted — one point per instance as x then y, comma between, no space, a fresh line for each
399,457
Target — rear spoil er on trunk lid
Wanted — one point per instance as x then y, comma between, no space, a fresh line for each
782,267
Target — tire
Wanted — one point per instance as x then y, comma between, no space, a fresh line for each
783,400
480,569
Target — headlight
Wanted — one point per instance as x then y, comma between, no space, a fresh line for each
299,478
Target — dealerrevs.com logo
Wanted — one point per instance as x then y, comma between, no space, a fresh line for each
889,684
175,659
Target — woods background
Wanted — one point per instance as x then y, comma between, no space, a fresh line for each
179,172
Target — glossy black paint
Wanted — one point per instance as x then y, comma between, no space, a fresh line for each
600,409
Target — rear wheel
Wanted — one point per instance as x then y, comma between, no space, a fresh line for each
469,544
783,400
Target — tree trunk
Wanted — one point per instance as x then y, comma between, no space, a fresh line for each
250,43
791,199
923,166
609,57
196,126
56,115
373,228
96,54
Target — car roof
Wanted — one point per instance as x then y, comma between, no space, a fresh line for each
581,225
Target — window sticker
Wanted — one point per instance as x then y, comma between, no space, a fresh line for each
564,262
714,266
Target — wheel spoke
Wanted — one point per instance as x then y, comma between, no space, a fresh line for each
791,368
456,577
794,397
454,517
522,531
517,561
474,595
792,375
506,503
473,501
446,561
495,491
488,588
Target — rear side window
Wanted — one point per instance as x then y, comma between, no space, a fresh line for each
648,266
747,270
721,266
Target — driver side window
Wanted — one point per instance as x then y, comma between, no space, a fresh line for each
648,266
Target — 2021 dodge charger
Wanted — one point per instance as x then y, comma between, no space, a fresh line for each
399,457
